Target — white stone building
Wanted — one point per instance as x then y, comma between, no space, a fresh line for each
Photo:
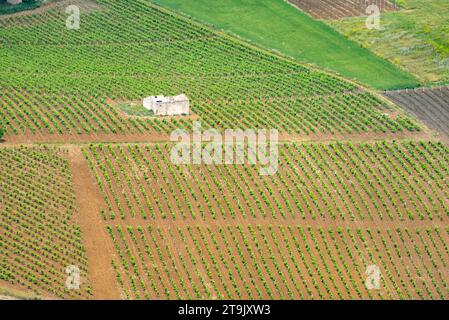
168,106
14,1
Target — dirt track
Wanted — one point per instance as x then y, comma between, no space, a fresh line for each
98,247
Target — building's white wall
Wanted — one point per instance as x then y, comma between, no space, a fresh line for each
167,108
148,103
160,110
178,108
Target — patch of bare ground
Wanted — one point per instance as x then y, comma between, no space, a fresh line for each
338,9
98,247
429,105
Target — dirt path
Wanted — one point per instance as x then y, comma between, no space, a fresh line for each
98,247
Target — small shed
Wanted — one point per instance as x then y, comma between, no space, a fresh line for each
14,1
168,106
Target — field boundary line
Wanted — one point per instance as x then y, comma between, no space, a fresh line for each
369,137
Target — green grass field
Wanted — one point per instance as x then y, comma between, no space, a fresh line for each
416,38
275,24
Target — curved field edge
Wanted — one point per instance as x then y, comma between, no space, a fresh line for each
279,26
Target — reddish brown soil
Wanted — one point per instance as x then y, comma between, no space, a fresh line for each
242,264
162,137
96,241
84,138
330,256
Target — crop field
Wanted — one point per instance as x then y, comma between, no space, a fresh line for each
333,182
331,9
48,100
277,261
275,24
429,105
307,233
415,38
39,236
93,204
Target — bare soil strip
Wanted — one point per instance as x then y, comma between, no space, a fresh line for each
84,138
98,247
67,139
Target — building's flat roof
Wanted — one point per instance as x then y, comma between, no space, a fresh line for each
164,99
